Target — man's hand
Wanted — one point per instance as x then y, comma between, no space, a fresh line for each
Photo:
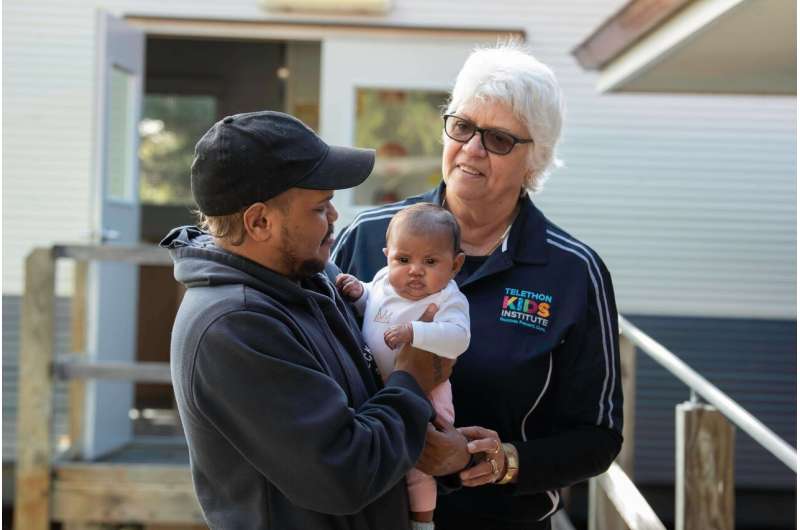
445,450
396,336
428,369
349,286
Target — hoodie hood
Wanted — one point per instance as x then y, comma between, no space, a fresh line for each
200,263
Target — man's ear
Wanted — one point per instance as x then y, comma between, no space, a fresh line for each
458,262
259,221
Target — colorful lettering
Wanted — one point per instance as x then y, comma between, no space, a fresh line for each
508,302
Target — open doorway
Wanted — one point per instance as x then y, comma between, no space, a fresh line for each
189,85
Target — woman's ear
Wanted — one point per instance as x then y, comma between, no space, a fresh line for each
258,222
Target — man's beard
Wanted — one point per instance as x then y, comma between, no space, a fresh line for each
308,268
300,269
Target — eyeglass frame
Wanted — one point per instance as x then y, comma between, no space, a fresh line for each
482,131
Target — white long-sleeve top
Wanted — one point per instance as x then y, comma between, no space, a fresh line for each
447,336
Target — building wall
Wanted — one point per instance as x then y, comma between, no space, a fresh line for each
690,200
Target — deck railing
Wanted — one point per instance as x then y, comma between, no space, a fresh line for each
76,495
699,385
704,484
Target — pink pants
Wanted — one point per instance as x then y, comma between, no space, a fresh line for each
422,487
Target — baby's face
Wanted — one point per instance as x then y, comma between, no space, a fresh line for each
420,265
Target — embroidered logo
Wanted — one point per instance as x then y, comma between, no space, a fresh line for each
526,308
383,316
373,366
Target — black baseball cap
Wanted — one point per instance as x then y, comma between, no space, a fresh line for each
252,157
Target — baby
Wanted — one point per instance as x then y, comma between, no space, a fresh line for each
423,254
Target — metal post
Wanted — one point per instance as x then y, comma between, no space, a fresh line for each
627,357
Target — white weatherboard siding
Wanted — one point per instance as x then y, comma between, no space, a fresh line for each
690,200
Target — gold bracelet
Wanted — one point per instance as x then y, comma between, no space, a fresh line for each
512,464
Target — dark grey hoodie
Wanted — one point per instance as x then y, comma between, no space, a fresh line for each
287,426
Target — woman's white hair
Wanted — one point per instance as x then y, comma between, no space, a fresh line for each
509,73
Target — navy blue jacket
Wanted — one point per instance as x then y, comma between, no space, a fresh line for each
285,420
542,368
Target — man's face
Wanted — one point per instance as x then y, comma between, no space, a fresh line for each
305,231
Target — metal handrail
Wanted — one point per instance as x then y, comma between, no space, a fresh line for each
632,507
728,407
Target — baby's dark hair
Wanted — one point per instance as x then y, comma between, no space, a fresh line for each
424,218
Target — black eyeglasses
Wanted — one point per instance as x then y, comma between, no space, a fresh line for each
493,140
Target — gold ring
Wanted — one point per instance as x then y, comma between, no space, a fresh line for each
494,466
496,447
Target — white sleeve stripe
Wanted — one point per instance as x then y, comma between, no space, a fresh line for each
605,331
535,403
362,218
554,496
608,322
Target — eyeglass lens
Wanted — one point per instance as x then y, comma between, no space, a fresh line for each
493,140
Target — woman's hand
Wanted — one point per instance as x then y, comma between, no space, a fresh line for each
445,450
492,467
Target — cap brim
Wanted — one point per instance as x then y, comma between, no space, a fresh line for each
342,168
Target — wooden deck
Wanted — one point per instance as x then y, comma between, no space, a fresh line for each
146,482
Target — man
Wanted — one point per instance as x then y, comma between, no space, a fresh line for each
287,424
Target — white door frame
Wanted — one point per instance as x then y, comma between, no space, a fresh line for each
113,287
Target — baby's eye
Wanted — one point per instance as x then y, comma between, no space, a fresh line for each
430,261
402,259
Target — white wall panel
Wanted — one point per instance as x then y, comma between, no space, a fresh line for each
690,200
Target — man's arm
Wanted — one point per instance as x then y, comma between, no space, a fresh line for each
274,402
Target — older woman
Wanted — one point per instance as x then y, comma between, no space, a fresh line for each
538,391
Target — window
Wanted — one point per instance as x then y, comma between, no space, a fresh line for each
169,129
405,128
119,183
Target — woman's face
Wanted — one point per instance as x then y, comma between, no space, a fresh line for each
473,173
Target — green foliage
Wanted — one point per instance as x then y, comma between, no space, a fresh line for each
410,119
170,127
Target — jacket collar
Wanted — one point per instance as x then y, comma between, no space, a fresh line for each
436,195
527,240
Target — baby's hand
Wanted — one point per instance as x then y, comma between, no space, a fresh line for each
349,286
396,336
